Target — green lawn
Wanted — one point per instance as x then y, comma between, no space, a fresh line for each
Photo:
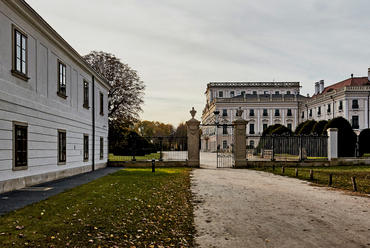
150,156
341,175
129,208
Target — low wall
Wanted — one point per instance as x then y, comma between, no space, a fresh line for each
147,164
353,161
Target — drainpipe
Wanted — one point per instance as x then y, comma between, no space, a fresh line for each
93,123
333,105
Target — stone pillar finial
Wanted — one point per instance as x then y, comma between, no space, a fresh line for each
193,112
239,112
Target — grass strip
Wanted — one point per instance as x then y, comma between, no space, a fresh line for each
341,175
150,156
128,208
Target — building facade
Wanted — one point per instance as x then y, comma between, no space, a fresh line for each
348,99
263,104
53,105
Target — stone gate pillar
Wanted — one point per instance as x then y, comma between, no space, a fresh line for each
240,139
193,140
333,146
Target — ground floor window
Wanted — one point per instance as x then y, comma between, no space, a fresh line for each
86,147
251,144
20,145
62,146
101,147
355,122
289,126
224,144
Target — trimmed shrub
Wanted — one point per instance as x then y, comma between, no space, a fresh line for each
346,137
318,128
299,127
364,143
307,127
269,129
281,130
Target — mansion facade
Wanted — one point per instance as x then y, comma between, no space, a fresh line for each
269,103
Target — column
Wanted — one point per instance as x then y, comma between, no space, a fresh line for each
283,116
366,124
193,140
346,109
259,121
271,116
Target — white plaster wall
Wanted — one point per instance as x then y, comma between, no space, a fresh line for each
36,103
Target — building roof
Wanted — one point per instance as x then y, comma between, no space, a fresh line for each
353,81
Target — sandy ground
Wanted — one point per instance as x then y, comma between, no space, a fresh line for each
244,208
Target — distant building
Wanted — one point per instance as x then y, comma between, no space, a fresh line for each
348,98
53,105
264,104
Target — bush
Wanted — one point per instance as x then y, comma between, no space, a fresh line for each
299,127
318,128
125,142
281,130
346,137
364,143
269,129
307,127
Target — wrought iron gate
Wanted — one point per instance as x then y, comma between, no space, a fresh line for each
225,146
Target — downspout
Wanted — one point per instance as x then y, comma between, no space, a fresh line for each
93,123
368,110
333,106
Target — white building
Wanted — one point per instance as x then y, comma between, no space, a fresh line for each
348,98
264,104
53,105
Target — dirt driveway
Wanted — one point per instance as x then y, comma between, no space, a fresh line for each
244,208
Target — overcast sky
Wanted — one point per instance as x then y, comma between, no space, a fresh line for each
178,46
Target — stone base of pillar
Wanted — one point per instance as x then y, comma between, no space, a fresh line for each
194,163
334,162
242,163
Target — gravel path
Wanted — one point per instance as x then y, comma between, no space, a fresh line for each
244,208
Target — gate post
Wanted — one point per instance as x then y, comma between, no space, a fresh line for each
193,140
240,138
333,146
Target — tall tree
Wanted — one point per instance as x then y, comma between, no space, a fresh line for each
127,92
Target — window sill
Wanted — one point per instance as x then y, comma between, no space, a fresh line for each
86,160
20,75
62,95
62,163
86,106
19,168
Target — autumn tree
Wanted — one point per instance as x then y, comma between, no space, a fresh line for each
127,92
153,128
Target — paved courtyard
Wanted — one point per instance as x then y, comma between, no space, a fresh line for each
244,208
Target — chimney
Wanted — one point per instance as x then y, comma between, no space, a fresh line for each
321,86
317,88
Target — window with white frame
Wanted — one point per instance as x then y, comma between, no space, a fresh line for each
20,50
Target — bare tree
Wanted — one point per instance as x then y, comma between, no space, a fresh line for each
127,92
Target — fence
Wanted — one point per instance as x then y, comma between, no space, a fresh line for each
287,148
169,148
